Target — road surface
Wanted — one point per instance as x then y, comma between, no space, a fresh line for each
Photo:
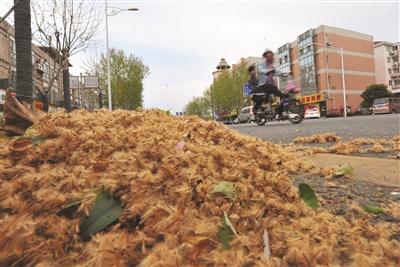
374,126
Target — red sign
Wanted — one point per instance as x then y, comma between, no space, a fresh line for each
312,98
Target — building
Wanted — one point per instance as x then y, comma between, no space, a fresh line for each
387,65
43,66
314,61
221,67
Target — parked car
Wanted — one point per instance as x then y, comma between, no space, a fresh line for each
226,120
386,105
312,113
364,111
245,115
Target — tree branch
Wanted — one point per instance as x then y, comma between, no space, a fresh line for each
9,11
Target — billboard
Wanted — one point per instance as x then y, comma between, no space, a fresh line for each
91,82
74,82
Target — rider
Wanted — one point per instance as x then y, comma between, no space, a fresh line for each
257,93
267,76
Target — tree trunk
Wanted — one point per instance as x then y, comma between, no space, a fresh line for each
100,99
67,93
23,43
44,97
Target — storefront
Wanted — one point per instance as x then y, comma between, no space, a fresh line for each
315,101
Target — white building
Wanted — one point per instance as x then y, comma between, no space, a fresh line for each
387,65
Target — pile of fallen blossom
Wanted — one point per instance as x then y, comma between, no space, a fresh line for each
163,170
352,146
317,139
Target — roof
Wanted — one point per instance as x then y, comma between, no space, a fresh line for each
379,43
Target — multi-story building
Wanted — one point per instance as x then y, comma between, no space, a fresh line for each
43,66
387,65
314,61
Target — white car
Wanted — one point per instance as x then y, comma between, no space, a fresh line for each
245,115
312,113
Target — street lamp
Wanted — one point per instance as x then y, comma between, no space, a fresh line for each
329,45
114,11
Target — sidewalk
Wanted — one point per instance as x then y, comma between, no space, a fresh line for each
376,170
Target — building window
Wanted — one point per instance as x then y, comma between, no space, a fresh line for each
389,71
13,52
390,82
13,75
388,59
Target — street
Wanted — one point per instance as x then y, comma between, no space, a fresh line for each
374,126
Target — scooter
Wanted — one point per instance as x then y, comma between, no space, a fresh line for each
292,111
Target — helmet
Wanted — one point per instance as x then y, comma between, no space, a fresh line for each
267,50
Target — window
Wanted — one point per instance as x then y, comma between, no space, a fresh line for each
13,75
389,71
380,101
13,52
390,82
388,59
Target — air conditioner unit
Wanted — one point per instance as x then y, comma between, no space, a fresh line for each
40,67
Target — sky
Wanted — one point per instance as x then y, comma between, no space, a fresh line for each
183,41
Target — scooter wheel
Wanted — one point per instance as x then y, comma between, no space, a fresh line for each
261,121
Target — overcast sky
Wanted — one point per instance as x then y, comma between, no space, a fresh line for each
183,41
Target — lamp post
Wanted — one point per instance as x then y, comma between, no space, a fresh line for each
114,11
329,45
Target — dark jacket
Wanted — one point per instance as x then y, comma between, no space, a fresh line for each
253,82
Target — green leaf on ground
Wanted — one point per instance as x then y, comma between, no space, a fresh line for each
308,195
225,188
226,231
373,209
105,211
31,132
344,170
37,139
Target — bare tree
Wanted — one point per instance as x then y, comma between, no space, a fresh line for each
64,28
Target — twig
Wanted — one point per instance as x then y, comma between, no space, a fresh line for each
267,249
9,11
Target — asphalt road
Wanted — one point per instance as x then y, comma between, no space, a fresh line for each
374,126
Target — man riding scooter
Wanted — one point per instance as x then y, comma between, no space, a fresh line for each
264,83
